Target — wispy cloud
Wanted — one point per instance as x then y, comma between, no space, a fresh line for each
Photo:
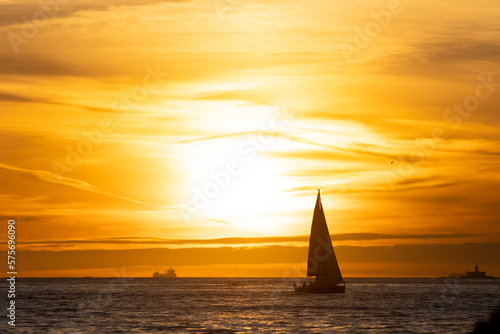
69,182
14,11
351,149
234,134
246,241
460,255
219,221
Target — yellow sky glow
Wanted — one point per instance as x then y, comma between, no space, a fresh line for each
181,120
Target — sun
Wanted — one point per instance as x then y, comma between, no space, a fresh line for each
245,190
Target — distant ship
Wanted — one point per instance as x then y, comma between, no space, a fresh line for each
471,274
475,274
322,262
167,273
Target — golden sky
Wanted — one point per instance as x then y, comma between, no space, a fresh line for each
134,134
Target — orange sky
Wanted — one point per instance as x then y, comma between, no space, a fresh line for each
156,127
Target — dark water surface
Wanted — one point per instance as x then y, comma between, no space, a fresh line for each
247,305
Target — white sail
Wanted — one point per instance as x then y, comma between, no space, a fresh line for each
322,262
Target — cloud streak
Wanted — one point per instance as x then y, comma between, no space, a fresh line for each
69,182
460,255
245,241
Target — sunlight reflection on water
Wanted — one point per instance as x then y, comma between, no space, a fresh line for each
232,305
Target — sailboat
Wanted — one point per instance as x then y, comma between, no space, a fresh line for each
322,261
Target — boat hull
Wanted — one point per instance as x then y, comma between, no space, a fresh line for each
321,289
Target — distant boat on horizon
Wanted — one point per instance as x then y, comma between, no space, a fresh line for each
167,273
322,261
472,274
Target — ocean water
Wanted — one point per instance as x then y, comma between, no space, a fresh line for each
248,305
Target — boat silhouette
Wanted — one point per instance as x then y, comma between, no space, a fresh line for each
476,274
167,273
322,262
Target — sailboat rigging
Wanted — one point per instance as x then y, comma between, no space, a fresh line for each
322,261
